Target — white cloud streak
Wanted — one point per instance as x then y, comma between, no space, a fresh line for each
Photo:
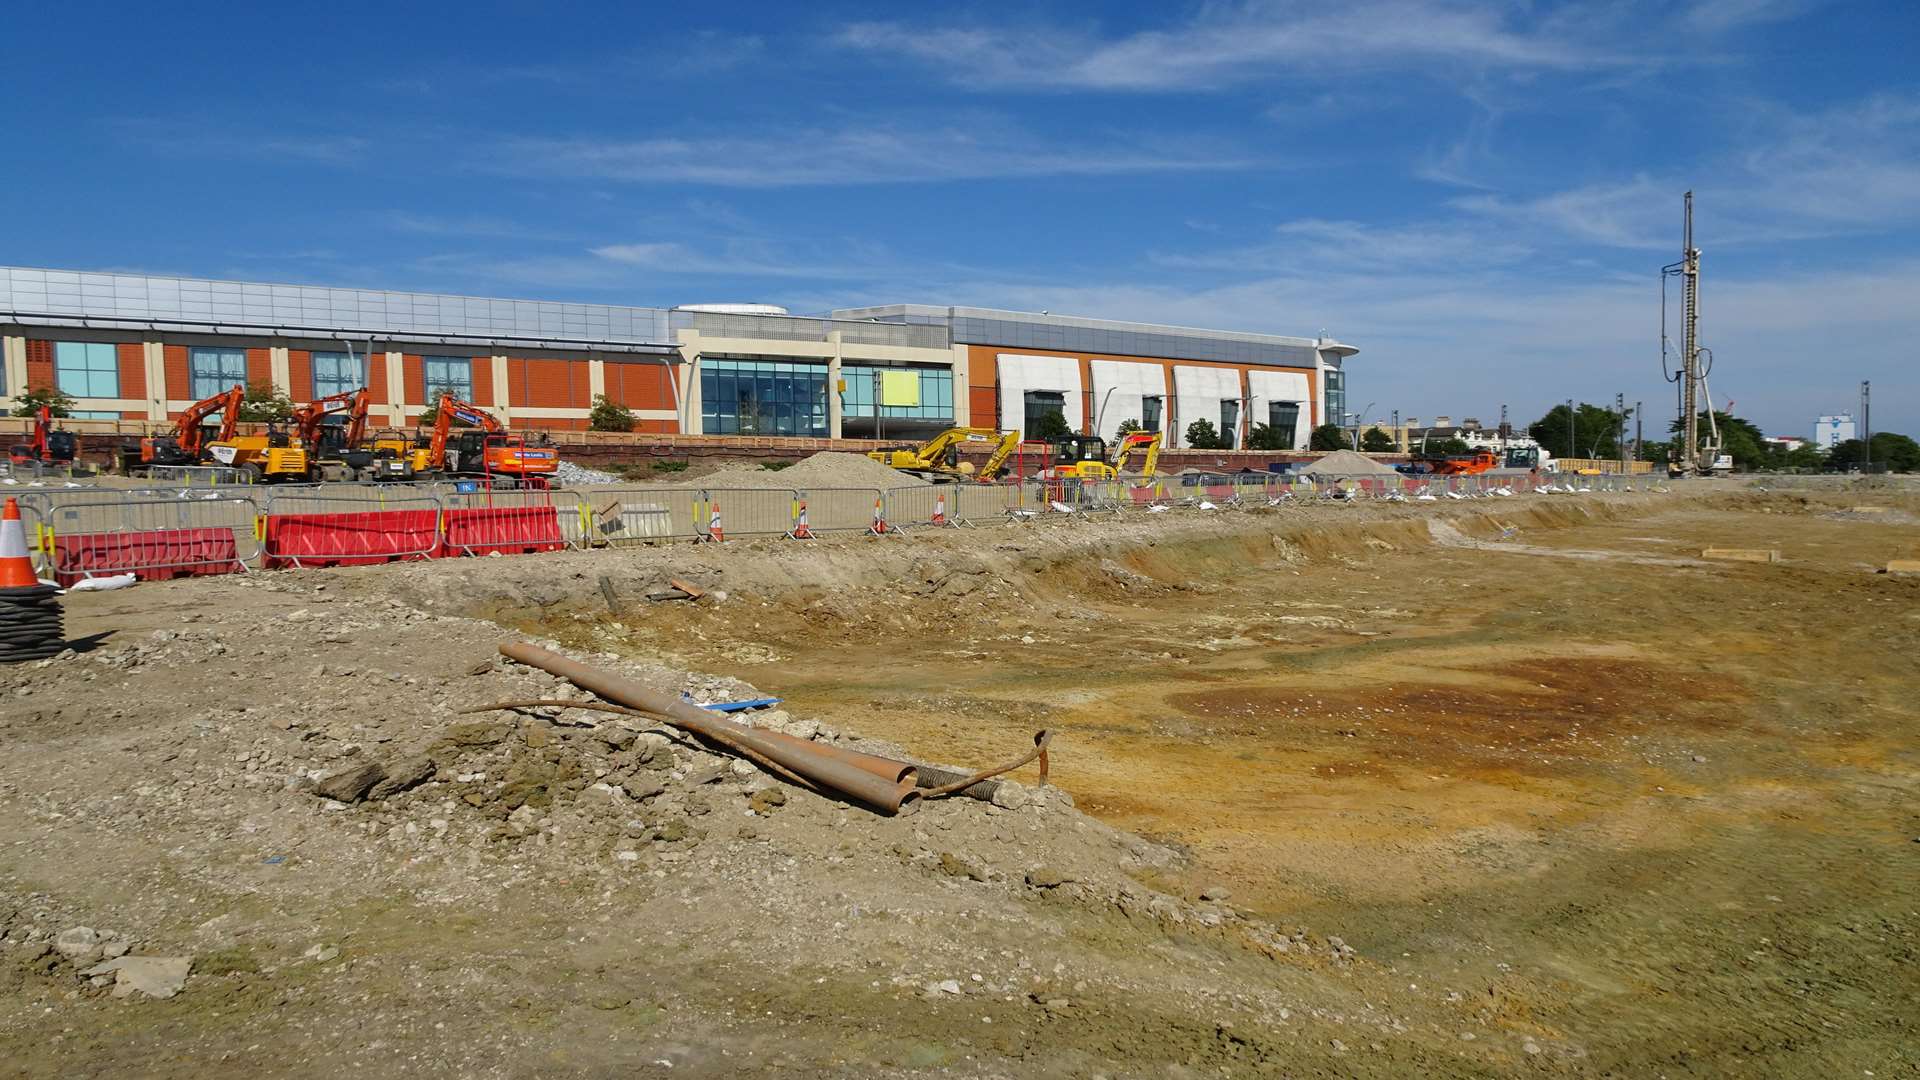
867,154
1261,40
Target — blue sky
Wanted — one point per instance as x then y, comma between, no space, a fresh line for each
1478,195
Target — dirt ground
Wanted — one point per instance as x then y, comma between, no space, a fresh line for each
1508,788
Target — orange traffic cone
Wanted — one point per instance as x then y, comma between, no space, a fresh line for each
801,530
879,525
940,508
16,569
714,532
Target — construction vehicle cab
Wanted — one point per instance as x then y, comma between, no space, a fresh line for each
397,456
938,459
1084,457
274,455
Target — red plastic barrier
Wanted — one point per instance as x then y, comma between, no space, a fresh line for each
351,539
155,555
512,530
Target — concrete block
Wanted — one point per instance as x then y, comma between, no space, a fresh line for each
1741,554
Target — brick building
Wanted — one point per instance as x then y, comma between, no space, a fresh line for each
138,348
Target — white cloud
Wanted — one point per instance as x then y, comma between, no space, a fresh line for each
1313,245
866,154
1260,40
1853,168
1718,15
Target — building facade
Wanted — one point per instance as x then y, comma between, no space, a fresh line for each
1831,431
141,348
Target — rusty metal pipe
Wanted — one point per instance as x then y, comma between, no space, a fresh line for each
832,773
884,767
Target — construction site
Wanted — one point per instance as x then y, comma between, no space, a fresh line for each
872,767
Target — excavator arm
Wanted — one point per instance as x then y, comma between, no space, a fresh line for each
451,409
1138,440
307,418
187,431
1009,441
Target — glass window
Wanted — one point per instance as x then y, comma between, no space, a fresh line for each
86,369
866,384
1229,423
751,396
1336,395
339,373
1039,404
1283,417
215,371
450,375
1150,413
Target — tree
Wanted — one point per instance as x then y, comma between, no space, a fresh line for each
264,404
1201,435
1268,437
1376,441
1804,456
1329,437
1897,452
1595,432
1740,438
1450,447
1128,427
57,401
609,415
1049,426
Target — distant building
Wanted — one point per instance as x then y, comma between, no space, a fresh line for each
132,347
1830,431
1786,442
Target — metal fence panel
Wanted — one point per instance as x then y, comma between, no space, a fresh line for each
619,515
752,511
95,533
841,509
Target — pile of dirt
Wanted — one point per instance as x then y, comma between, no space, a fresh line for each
1347,463
827,469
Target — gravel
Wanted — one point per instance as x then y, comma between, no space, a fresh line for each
827,469
1347,463
571,475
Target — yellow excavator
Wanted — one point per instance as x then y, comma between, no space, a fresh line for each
938,459
1084,457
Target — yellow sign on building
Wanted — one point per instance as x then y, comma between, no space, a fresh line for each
900,388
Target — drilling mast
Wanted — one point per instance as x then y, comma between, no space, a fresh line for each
1685,459
1690,341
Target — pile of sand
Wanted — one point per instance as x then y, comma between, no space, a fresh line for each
1347,463
827,469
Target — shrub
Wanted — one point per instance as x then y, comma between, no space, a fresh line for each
609,415
1201,435
58,401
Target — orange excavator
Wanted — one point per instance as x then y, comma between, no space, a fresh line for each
487,449
49,445
335,450
188,443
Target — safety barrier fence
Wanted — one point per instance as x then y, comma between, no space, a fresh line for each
91,534
167,532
